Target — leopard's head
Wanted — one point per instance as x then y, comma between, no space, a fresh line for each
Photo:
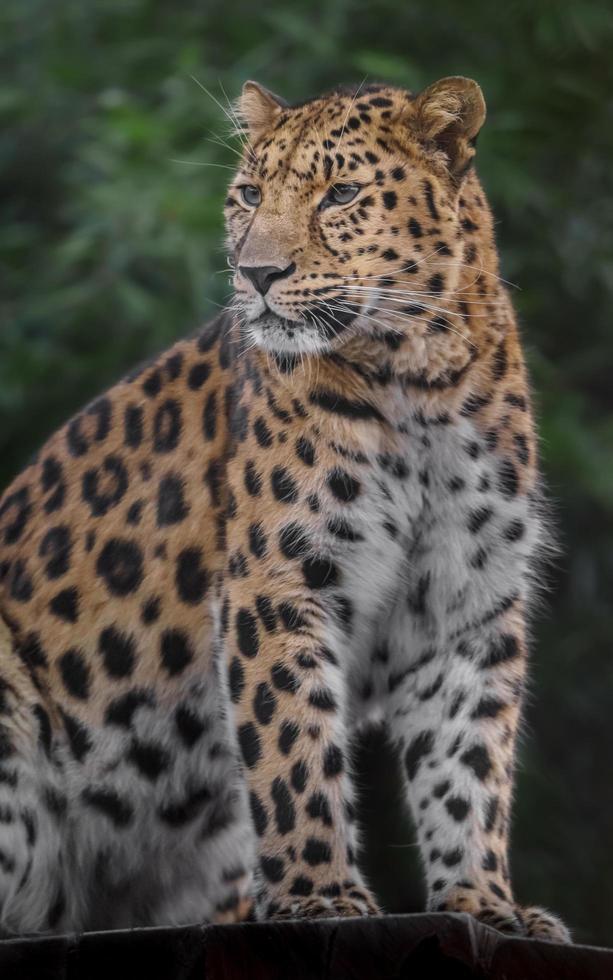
343,216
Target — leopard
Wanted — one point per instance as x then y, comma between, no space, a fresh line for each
322,512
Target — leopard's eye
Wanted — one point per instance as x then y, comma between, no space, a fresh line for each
251,195
340,194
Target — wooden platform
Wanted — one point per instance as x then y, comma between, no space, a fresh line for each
409,947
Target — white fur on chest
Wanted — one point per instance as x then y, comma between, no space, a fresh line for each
463,545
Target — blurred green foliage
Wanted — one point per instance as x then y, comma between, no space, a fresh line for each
110,249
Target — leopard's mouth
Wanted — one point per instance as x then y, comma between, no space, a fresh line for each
269,321
317,330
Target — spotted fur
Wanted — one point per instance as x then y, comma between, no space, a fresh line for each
323,511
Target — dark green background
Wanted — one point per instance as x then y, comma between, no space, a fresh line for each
110,250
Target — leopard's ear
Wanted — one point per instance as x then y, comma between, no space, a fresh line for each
448,116
259,108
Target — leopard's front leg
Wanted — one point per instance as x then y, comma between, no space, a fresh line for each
455,715
287,691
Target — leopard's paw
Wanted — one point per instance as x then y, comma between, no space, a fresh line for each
330,902
497,912
500,912
236,909
541,924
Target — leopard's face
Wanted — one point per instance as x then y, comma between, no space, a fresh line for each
342,219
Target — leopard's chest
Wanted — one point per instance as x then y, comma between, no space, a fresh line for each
436,514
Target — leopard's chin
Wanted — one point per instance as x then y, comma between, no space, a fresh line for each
275,334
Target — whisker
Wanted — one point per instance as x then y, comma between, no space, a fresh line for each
229,114
351,105
386,277
199,163
401,314
367,316
210,95
404,296
238,129
411,298
406,317
218,141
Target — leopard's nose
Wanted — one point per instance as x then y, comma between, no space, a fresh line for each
263,276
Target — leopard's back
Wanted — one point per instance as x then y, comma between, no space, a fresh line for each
121,511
